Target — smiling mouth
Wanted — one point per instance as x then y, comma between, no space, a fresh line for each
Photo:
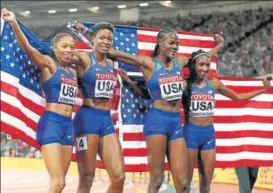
68,56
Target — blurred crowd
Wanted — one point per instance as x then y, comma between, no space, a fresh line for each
248,36
17,148
248,49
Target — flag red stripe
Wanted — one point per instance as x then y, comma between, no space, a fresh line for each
250,148
141,167
182,42
82,45
14,111
14,91
178,31
243,162
18,134
243,104
244,79
134,152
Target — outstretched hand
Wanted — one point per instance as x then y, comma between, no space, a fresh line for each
78,26
123,75
219,39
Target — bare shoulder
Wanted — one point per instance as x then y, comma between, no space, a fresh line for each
109,61
81,53
49,61
148,59
216,83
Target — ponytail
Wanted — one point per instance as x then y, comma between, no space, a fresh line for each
156,51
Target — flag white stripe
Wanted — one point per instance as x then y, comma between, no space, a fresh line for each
262,98
243,126
230,112
181,36
245,141
242,83
181,49
13,101
17,123
244,155
27,93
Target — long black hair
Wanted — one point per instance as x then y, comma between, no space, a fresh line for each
186,98
161,34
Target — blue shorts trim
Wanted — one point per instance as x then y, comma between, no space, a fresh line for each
163,123
93,121
199,137
55,128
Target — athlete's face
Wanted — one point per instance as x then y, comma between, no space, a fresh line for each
103,40
169,45
202,66
65,49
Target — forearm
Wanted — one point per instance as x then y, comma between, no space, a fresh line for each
216,49
88,34
125,58
246,96
22,40
134,87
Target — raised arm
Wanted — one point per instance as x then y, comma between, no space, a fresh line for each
183,61
85,31
137,61
222,89
33,54
220,44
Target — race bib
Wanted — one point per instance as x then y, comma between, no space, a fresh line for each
171,87
105,83
68,91
81,143
202,105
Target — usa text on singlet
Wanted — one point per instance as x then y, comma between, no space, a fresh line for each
171,87
202,105
69,89
105,82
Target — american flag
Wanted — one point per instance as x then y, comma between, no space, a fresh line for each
244,129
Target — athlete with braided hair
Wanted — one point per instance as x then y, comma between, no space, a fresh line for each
198,102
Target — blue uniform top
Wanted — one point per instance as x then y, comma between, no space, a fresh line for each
202,100
61,87
98,81
166,84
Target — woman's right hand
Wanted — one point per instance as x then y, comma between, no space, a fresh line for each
8,15
123,75
79,27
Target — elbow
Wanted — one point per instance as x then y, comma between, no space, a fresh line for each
238,98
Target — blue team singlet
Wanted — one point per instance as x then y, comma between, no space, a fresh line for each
166,84
98,81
